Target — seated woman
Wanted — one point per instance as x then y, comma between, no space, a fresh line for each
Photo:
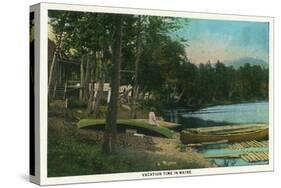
152,119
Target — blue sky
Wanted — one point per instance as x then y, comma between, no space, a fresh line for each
225,40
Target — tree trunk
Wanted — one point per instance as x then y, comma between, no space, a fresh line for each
180,96
98,98
91,90
100,90
91,98
81,79
87,78
135,86
53,63
55,88
60,74
111,117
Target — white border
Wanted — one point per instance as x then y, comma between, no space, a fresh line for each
44,7
36,11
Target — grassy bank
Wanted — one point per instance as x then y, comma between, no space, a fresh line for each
73,151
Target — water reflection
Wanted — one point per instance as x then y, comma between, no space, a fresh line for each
220,115
246,113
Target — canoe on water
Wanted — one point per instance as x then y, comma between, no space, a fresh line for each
230,133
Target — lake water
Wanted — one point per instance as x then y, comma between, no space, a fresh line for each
245,113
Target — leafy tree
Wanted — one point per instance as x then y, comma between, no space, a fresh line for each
111,117
144,52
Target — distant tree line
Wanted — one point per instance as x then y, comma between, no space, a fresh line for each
196,86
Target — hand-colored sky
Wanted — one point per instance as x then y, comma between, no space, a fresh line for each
225,40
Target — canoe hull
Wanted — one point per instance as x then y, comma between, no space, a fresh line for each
192,138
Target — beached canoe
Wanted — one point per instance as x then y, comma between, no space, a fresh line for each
167,124
230,133
141,125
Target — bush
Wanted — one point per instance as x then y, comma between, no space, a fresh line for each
73,103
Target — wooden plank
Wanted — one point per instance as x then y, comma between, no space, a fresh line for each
262,144
248,159
242,144
255,156
257,144
237,146
223,156
262,156
253,143
216,142
245,144
259,157
244,158
252,157
265,143
265,154
208,143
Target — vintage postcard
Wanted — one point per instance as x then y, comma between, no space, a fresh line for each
122,93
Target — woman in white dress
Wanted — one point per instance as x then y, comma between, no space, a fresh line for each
152,119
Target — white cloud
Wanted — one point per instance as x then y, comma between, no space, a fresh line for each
215,47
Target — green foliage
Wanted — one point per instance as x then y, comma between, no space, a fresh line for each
74,103
221,84
165,73
206,84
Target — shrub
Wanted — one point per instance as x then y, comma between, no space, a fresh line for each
73,103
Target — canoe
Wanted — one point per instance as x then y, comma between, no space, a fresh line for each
231,133
141,125
162,123
168,124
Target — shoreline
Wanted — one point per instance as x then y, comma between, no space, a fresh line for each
199,107
73,151
67,145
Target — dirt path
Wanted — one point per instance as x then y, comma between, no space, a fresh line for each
174,147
